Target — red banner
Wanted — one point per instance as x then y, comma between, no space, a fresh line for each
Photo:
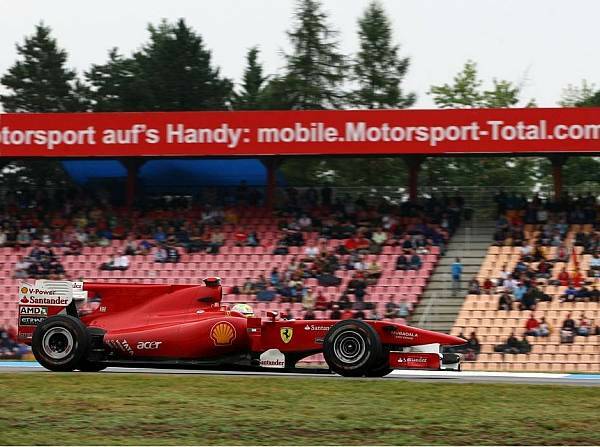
356,132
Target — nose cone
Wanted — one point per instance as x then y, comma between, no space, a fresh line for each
450,340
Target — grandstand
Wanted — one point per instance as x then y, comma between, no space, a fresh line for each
480,312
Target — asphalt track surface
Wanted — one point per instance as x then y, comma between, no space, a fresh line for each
417,376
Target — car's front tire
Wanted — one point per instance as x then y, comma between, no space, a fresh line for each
351,348
60,343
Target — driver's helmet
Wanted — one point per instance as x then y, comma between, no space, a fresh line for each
245,309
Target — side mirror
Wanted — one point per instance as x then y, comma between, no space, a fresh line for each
272,314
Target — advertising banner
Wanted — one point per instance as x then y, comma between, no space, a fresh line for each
354,132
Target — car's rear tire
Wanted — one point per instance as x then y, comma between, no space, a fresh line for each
351,348
60,343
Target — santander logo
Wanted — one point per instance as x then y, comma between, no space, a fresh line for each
24,300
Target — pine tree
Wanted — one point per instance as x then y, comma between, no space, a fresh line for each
172,71
250,97
39,81
117,85
315,69
377,68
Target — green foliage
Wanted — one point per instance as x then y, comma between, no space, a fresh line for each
467,92
250,97
173,71
377,68
117,85
322,171
578,96
39,80
314,69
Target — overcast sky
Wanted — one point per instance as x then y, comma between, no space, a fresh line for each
542,44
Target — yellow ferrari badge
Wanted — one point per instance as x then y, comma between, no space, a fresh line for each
286,334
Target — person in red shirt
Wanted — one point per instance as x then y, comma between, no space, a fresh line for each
577,279
240,238
321,302
532,326
563,277
488,285
347,314
351,244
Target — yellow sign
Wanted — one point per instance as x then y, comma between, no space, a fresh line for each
286,334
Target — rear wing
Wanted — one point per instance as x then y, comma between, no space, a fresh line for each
45,298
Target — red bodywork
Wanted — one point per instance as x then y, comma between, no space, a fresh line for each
188,323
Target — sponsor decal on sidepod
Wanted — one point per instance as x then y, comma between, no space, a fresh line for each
30,321
315,327
272,358
149,344
31,310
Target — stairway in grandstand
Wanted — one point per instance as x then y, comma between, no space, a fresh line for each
438,308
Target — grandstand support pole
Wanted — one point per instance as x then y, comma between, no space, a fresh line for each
413,163
133,166
557,173
271,164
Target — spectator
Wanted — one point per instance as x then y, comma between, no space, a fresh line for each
321,302
252,239
505,302
22,268
309,314
248,287
544,329
567,330
472,347
116,262
512,345
532,326
456,271
173,255
488,285
474,287
335,313
584,326
347,314
375,315
415,262
160,255
402,262
391,308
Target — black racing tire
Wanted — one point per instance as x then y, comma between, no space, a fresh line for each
86,365
60,343
382,367
351,348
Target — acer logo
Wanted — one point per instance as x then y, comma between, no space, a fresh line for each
149,344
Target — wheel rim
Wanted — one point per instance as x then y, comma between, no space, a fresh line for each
349,347
58,344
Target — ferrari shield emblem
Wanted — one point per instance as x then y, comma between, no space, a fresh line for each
286,334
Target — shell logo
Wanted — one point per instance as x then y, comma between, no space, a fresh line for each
223,333
24,290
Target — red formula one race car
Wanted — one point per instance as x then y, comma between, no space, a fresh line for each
91,326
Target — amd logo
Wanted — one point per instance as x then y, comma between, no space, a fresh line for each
149,344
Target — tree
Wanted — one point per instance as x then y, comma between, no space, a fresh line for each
250,97
578,96
40,81
314,69
377,68
173,71
117,85
467,91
